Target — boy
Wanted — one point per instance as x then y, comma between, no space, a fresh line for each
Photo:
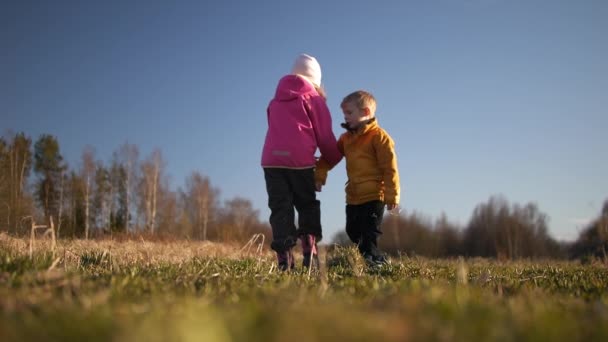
373,178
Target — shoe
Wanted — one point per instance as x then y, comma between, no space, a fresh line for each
381,260
369,260
309,250
285,260
375,260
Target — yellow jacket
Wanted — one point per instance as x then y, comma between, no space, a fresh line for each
371,165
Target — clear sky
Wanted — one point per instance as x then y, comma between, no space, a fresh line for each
482,97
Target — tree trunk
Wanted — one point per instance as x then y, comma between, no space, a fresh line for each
60,207
127,187
205,218
110,207
86,207
47,210
154,192
13,185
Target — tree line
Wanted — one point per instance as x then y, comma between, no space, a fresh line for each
496,229
127,194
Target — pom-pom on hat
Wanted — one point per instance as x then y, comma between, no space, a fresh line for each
308,67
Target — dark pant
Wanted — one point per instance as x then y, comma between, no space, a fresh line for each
363,223
288,188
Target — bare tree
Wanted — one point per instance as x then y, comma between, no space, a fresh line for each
61,191
4,182
128,156
102,198
449,237
240,213
87,173
200,199
499,230
168,210
151,173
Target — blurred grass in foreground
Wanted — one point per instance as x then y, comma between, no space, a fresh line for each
190,291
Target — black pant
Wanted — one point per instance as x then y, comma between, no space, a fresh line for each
289,188
363,223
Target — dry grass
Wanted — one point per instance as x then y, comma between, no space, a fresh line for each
137,289
137,249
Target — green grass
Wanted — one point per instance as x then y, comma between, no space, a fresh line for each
129,293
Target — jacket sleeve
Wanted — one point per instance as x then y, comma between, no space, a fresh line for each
387,162
323,166
321,121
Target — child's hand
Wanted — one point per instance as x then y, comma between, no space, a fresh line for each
318,186
393,209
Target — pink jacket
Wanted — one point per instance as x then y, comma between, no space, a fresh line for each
298,122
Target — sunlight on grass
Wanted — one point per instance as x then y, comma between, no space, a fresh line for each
137,290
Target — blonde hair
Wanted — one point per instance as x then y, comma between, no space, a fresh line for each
321,91
362,99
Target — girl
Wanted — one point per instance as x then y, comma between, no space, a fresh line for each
299,122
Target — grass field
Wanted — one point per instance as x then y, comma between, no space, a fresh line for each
200,291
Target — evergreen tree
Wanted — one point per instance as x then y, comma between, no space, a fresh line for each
15,167
48,164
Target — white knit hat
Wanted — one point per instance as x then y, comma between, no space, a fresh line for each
308,67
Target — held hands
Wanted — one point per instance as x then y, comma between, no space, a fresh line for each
393,209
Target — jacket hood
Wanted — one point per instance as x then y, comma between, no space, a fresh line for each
291,87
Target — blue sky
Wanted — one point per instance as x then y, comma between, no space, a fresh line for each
482,97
